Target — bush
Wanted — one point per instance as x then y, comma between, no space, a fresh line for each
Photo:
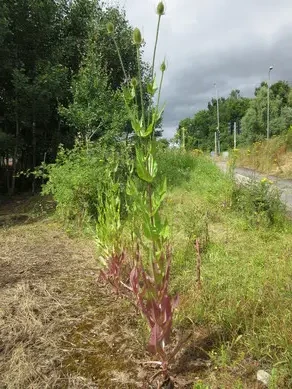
78,175
259,201
176,166
289,139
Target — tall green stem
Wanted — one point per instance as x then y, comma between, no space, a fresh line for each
120,57
155,47
149,193
140,84
159,91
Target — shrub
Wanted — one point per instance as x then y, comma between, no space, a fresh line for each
289,138
78,175
259,201
175,165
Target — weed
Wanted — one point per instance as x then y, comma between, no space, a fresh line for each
272,156
149,278
260,202
77,178
245,271
176,166
200,385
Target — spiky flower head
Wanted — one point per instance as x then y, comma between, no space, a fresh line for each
137,37
160,8
163,67
134,82
110,28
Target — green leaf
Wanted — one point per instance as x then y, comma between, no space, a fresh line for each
128,95
131,188
133,92
163,229
149,130
152,87
147,228
137,125
152,166
142,170
158,197
158,113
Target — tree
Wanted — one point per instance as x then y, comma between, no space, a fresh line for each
281,89
97,110
254,123
43,45
202,127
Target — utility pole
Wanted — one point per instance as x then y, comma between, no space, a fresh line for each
268,103
216,152
183,138
218,121
234,134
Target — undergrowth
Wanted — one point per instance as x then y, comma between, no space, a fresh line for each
78,177
246,268
245,246
223,249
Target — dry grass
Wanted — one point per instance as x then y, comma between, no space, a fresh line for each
272,157
58,328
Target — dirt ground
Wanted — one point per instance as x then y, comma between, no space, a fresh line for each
61,328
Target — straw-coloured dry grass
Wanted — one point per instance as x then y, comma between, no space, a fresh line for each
58,327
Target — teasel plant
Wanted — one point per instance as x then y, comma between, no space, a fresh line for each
150,275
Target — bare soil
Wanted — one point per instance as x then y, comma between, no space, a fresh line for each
61,328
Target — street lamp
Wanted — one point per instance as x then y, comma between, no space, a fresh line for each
217,133
268,108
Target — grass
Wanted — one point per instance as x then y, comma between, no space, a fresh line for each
60,328
246,275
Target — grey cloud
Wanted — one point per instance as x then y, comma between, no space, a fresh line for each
229,42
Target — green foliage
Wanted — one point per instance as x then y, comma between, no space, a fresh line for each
245,273
96,110
201,127
288,139
254,123
109,227
149,278
68,49
260,202
266,156
200,385
80,177
175,165
250,116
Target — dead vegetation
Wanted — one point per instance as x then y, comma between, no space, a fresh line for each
57,327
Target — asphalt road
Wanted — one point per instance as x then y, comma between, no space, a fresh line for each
285,186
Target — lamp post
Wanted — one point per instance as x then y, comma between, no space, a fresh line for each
217,134
268,104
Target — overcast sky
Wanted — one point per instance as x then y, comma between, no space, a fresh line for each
230,42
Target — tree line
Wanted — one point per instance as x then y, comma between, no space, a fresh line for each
249,114
59,77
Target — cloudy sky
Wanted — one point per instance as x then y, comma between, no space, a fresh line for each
230,42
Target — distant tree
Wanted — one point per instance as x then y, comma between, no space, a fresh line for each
202,127
281,89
